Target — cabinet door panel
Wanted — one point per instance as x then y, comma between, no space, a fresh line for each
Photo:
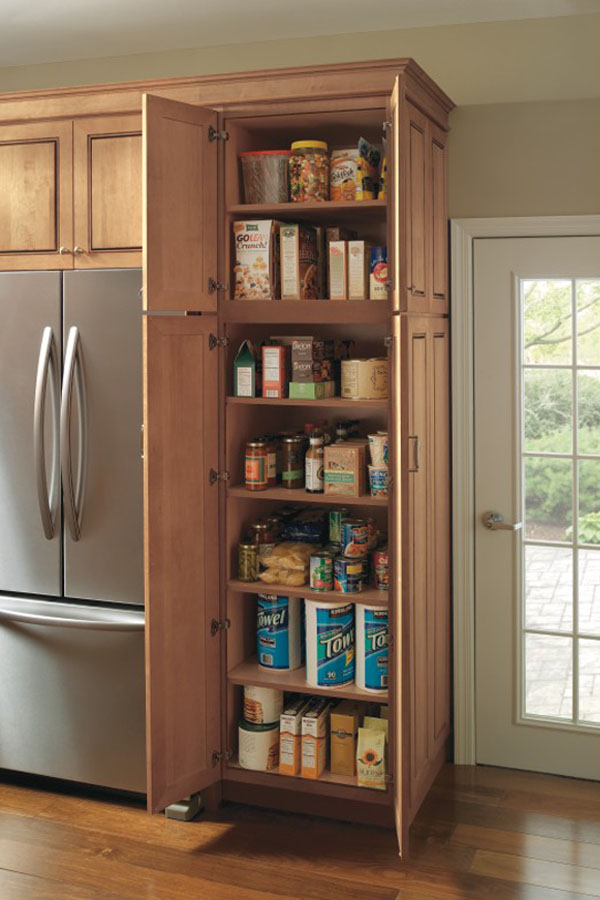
180,206
439,222
418,219
181,557
36,209
108,191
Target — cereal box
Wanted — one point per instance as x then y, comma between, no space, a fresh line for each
338,270
299,263
358,270
256,269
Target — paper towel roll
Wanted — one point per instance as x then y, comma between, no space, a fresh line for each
329,643
371,647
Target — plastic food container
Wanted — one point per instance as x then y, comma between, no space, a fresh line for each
379,480
309,171
265,175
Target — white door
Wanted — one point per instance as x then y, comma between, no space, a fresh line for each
537,465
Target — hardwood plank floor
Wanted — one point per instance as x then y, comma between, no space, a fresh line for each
482,833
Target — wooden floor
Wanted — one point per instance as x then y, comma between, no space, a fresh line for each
483,833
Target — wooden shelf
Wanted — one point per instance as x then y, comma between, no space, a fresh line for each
332,402
249,672
368,595
322,785
299,495
317,312
334,209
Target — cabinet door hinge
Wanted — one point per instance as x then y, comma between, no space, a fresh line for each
214,135
217,625
214,341
386,126
214,476
214,285
220,756
388,341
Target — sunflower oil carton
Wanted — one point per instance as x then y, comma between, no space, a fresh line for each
371,754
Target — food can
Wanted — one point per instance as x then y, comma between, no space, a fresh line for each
247,562
336,518
321,572
366,570
381,575
258,746
348,575
262,705
355,537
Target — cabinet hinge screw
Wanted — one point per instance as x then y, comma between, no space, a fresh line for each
214,285
217,625
214,341
214,476
220,756
387,125
214,135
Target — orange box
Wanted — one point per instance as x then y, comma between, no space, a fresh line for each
275,366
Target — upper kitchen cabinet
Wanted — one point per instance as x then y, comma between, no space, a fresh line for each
180,206
36,196
107,173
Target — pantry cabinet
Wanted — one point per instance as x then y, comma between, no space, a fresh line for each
77,171
71,194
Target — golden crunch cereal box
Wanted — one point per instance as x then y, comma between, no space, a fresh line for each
256,269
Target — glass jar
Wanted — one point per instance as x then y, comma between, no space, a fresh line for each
292,461
247,561
263,536
256,465
309,171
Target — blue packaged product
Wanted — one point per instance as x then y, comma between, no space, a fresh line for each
371,647
279,632
329,644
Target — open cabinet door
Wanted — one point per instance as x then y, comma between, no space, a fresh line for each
396,199
180,206
181,557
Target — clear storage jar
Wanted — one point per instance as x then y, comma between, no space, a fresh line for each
265,174
309,171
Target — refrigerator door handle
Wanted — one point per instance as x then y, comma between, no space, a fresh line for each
48,500
92,620
73,375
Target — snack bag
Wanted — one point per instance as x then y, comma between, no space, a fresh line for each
368,170
370,759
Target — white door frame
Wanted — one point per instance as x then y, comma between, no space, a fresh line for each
462,234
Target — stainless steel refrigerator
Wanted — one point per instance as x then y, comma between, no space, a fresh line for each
71,533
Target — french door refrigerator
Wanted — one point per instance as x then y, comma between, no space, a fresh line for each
71,564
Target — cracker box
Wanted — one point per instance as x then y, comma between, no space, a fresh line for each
290,736
365,379
344,470
256,269
343,726
312,360
338,270
275,367
358,270
245,375
312,390
315,721
299,263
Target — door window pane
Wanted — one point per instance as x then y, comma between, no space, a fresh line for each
547,321
588,410
548,588
589,681
589,501
588,322
589,591
548,410
548,498
549,676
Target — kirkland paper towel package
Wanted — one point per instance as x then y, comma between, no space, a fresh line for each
329,643
279,632
371,647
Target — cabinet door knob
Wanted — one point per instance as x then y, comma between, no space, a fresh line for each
78,250
63,250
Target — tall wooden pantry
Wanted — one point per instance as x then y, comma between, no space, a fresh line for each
86,149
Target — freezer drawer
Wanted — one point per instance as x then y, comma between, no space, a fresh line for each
72,698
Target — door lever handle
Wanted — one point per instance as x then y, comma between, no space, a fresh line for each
495,522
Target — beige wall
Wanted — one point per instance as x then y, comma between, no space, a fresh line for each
525,136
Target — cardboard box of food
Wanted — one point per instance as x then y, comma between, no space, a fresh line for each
245,371
314,738
338,270
312,360
256,271
275,368
358,270
290,736
299,263
343,725
312,390
365,379
344,469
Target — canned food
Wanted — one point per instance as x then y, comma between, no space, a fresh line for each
381,575
348,575
262,705
366,570
248,562
355,537
336,518
321,572
258,746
